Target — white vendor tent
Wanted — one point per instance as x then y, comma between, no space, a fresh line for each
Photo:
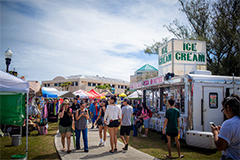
49,89
10,83
135,95
81,93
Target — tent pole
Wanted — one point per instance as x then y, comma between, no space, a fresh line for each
27,129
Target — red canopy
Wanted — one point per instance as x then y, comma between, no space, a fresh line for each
95,93
90,95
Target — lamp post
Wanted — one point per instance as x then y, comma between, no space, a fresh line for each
8,57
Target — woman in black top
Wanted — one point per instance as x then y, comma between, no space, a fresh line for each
102,109
65,124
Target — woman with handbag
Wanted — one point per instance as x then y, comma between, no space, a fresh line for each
81,126
100,122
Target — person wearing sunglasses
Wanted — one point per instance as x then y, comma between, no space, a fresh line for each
227,136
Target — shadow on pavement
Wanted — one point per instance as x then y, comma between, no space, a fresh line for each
100,155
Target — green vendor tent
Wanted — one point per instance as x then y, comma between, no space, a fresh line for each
13,92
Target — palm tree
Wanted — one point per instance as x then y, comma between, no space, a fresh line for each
67,84
99,88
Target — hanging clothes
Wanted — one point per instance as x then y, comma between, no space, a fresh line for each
45,111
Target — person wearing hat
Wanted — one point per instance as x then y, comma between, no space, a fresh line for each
94,109
127,112
65,124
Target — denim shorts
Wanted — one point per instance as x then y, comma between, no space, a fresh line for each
146,123
114,123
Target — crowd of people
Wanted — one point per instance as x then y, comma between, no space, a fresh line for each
107,115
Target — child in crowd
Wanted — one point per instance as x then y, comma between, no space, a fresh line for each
135,119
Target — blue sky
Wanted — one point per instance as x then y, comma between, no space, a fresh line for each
92,37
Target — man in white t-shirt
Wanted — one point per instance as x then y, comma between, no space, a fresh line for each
127,112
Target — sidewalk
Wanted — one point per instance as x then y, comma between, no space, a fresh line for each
96,152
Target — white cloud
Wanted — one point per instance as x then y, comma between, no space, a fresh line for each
106,38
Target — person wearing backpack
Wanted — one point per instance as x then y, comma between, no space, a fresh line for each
145,112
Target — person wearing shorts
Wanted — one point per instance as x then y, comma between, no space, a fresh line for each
127,112
65,124
113,113
103,126
172,123
145,115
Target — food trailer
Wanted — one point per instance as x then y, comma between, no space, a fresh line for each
198,94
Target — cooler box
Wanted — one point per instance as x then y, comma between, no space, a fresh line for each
200,139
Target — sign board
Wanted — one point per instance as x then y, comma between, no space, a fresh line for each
156,80
181,56
147,82
135,85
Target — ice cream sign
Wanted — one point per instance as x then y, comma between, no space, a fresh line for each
181,54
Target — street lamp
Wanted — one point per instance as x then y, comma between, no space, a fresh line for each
8,57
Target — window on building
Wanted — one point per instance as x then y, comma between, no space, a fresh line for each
89,84
76,83
72,84
48,85
45,85
125,87
121,87
118,86
99,84
93,84
113,86
55,84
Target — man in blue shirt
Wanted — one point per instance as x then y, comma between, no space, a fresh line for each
94,109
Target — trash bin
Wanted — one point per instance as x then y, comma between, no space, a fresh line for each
42,130
16,140
19,157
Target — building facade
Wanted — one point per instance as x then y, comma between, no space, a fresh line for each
145,72
86,83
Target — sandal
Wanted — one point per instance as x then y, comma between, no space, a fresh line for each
111,151
181,156
63,149
115,150
126,147
69,151
167,156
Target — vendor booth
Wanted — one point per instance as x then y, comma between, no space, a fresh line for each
13,92
82,94
96,94
198,94
106,93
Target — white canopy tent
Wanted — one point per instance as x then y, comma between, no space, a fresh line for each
81,93
136,94
11,84
49,89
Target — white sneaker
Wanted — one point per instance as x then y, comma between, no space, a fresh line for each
100,144
144,135
103,144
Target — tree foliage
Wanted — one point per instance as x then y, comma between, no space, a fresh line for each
216,23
